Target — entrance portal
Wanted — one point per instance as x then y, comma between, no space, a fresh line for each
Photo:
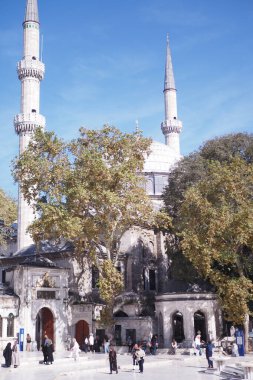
200,324
82,331
44,326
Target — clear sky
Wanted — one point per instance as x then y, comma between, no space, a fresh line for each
105,64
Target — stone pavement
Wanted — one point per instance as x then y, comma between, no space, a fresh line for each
95,366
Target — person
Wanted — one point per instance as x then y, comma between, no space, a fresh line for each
197,343
235,351
134,349
129,343
44,350
113,360
140,354
28,342
75,350
47,349
209,354
232,331
149,345
174,346
97,344
154,344
91,342
15,354
86,344
106,344
7,353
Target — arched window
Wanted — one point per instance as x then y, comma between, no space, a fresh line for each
200,324
178,326
1,326
10,325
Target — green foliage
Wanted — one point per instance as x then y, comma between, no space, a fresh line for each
192,168
110,286
216,223
8,214
89,191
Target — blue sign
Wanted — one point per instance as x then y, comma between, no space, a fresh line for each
239,335
21,339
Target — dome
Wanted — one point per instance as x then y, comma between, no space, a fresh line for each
161,158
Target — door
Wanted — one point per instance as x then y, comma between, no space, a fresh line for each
82,331
44,326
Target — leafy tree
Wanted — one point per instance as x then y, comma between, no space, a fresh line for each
8,214
109,290
189,171
88,191
216,223
192,168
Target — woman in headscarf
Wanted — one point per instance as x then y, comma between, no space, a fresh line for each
7,353
113,360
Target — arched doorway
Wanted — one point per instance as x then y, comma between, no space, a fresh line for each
178,326
82,331
200,324
44,325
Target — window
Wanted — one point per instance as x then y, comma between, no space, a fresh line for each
152,281
1,326
160,182
95,277
117,335
118,267
150,185
144,278
132,334
10,325
3,276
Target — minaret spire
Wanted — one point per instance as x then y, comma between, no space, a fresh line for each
169,81
171,127
30,72
31,12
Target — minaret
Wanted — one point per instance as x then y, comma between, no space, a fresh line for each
30,72
171,127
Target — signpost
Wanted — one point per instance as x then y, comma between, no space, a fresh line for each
21,339
239,335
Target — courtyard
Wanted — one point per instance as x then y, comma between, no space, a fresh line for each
95,366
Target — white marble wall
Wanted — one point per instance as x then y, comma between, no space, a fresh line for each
187,304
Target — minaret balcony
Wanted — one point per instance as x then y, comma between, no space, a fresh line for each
27,123
171,126
30,68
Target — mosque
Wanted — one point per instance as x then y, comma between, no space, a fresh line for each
41,294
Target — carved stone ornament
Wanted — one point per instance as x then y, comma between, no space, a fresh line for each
45,282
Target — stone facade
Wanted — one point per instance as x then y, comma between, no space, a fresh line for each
54,294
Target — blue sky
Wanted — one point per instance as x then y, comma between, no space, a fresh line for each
105,64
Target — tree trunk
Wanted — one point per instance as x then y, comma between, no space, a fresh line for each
246,333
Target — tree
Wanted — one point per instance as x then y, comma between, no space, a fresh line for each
109,290
192,168
216,223
8,214
189,171
89,191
